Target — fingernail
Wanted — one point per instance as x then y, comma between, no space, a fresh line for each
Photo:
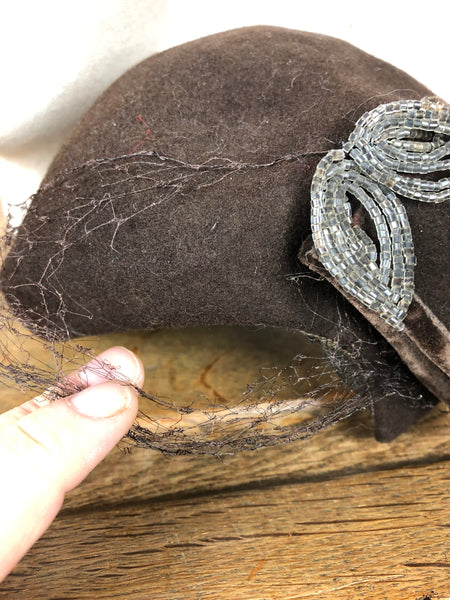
101,401
137,368
129,369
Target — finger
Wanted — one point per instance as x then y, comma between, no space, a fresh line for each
46,451
114,363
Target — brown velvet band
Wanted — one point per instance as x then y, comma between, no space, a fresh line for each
424,344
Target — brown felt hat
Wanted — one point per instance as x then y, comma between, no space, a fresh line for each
183,198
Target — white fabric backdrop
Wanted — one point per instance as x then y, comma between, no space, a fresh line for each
57,57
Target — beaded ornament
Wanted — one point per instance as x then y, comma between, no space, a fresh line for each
390,153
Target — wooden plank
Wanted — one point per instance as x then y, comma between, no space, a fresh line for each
374,536
337,516
178,365
348,448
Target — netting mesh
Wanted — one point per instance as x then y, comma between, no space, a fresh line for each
285,389
219,405
279,385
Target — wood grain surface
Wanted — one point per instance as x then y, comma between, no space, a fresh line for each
337,517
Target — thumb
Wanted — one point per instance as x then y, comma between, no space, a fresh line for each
46,449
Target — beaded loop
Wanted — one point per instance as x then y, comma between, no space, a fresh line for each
393,139
404,137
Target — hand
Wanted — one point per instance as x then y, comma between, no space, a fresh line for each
48,448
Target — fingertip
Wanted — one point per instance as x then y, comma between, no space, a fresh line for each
102,401
125,363
129,360
115,363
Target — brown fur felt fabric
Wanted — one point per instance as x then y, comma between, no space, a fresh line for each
182,198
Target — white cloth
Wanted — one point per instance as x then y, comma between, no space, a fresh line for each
57,57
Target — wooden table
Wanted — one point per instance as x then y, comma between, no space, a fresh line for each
337,517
